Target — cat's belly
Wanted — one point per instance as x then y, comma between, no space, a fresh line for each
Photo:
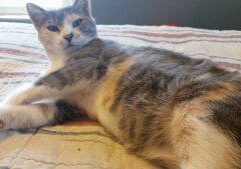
96,110
83,101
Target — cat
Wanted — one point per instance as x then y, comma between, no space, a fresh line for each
176,112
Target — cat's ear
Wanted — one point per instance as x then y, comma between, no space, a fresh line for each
36,13
83,6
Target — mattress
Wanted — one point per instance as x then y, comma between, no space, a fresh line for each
84,144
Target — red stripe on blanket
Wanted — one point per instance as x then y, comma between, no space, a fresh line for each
16,74
167,35
171,41
19,52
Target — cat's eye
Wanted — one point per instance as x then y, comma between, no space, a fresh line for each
53,28
77,23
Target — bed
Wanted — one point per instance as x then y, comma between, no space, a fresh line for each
85,144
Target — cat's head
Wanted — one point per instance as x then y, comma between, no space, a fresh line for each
60,30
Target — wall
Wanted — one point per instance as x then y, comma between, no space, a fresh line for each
211,14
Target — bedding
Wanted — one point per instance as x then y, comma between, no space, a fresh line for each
84,144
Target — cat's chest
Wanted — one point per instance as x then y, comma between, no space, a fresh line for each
97,99
96,105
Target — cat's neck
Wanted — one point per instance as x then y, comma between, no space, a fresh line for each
57,60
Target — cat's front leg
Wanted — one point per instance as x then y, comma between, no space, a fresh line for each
50,86
31,94
28,94
36,115
28,108
25,116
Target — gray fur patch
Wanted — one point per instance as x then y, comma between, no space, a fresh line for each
89,63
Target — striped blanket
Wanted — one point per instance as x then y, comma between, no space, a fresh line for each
85,144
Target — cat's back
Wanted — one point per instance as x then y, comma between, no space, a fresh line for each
162,90
160,67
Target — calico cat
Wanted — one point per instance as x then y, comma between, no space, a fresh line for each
177,112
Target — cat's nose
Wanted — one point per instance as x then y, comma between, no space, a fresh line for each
69,37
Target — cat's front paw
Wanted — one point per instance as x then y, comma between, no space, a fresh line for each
8,118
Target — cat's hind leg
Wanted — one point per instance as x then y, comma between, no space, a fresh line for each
36,115
198,142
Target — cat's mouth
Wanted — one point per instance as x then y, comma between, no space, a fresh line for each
69,45
73,47
78,44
